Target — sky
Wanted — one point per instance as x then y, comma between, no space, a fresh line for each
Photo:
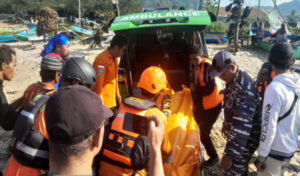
255,2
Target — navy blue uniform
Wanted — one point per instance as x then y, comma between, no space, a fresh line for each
240,106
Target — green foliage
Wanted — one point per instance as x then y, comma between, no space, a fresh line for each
101,9
217,27
210,6
130,6
292,17
244,31
295,30
167,3
60,27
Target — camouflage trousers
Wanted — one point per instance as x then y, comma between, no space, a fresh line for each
240,167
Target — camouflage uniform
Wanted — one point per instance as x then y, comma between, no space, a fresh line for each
240,106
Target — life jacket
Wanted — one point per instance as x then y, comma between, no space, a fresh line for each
266,75
164,102
125,148
28,146
215,98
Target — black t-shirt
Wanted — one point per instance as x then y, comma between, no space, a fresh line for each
8,115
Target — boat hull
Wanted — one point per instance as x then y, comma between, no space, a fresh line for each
268,46
6,38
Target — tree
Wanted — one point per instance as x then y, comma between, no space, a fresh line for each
130,6
292,18
239,16
47,22
210,6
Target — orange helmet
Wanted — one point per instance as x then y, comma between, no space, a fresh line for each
153,79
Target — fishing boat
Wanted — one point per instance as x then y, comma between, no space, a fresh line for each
6,38
29,35
268,44
81,30
215,38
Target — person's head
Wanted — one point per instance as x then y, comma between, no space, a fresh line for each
194,56
59,44
118,46
153,81
75,118
8,61
224,66
50,69
281,57
282,26
78,71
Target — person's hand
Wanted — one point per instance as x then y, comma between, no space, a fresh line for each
226,163
259,166
155,133
225,130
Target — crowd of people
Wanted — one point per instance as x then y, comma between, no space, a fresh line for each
72,121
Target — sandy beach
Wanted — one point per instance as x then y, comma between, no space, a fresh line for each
28,67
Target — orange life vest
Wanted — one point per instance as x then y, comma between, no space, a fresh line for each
215,98
120,143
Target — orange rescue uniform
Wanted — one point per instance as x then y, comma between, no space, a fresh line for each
14,168
108,169
215,98
106,86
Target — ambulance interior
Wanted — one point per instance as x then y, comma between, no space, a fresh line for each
168,50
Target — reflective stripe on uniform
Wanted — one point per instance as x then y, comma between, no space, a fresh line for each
31,151
27,114
121,115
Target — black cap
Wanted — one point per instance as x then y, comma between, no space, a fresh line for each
282,55
73,114
221,60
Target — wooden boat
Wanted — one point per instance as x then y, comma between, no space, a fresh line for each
216,38
29,35
81,30
268,44
6,38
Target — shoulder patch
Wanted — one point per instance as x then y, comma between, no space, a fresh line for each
100,72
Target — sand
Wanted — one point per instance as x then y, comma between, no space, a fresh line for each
27,72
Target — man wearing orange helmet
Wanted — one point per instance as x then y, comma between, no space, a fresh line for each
125,152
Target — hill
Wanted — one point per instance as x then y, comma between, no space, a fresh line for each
167,3
285,8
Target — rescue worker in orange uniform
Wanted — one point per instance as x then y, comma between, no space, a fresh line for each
126,153
106,66
75,71
50,74
207,102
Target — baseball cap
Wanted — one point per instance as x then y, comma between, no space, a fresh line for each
73,114
221,60
51,63
282,55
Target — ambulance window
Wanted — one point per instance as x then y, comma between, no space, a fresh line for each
198,42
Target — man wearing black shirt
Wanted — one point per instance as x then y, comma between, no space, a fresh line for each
8,62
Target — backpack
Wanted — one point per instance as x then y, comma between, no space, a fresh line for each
28,146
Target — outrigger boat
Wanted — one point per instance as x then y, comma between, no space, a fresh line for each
6,38
81,30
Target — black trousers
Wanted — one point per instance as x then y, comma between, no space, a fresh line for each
206,120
